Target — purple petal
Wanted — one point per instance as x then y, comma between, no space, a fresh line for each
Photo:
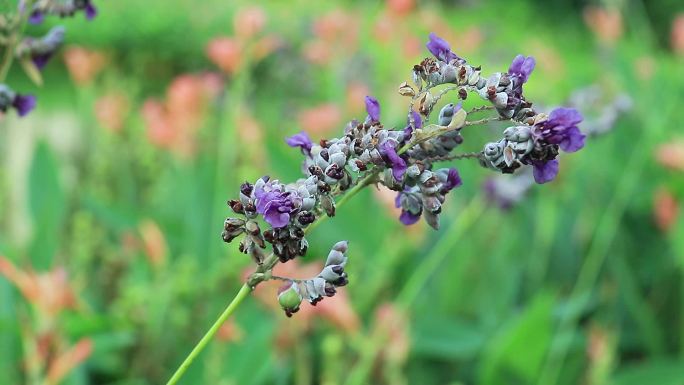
300,140
440,48
407,218
565,117
397,200
373,108
545,171
522,67
453,180
24,104
36,17
573,140
277,219
41,60
90,11
398,164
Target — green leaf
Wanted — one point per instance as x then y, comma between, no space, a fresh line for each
661,372
46,205
517,353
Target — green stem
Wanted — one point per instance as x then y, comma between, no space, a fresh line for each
239,297
12,42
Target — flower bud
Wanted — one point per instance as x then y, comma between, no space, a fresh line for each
289,298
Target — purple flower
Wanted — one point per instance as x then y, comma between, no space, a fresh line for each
397,163
275,205
24,104
522,67
302,141
417,124
453,181
373,108
545,171
42,50
406,217
90,10
36,17
440,48
561,129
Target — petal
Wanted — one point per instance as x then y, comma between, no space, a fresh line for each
573,140
373,108
300,140
565,117
453,180
408,218
545,171
24,104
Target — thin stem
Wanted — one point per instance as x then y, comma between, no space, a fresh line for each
239,297
480,109
483,121
14,40
465,155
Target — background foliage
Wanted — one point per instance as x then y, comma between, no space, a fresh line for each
113,195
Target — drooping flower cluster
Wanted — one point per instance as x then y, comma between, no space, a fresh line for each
325,284
61,8
404,160
34,53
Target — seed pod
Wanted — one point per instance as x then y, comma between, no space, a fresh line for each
406,90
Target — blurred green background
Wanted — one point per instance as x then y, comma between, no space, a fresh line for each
112,198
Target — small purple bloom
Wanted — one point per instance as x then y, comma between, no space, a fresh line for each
397,162
373,108
440,48
522,67
453,180
408,218
302,141
545,171
36,17
275,206
90,10
561,129
24,104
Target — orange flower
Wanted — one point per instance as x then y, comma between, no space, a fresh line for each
173,124
317,52
677,34
69,360
50,292
226,53
671,155
665,209
321,119
605,23
249,21
110,111
153,242
400,7
83,64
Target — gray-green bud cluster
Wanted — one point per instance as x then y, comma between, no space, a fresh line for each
293,292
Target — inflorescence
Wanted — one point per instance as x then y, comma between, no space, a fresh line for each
33,52
404,160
